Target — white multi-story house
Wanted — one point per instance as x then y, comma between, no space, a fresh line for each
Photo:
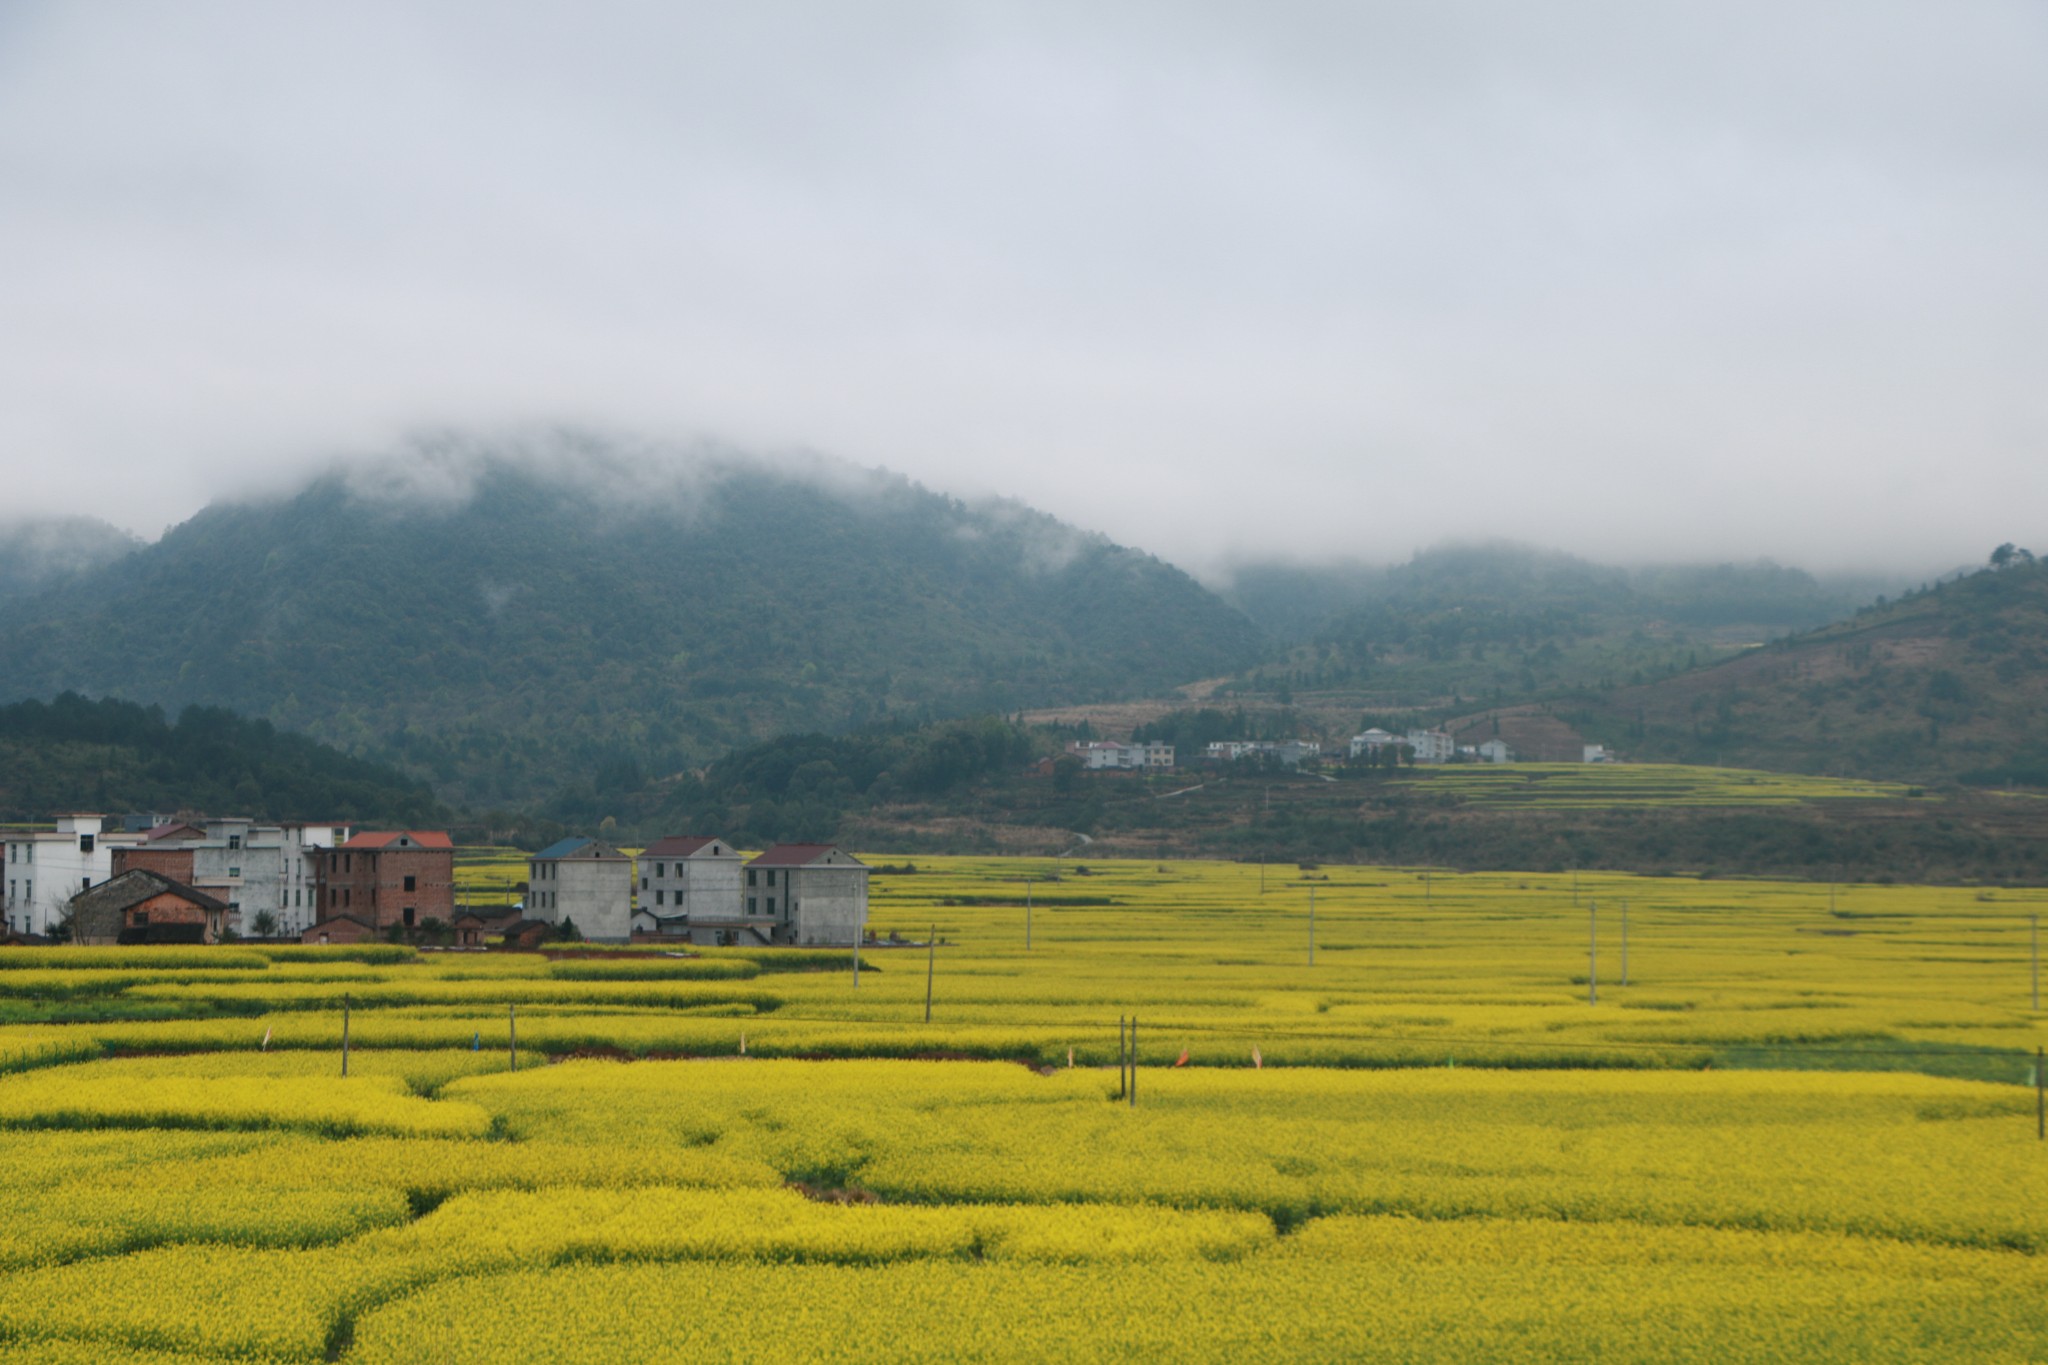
584,881
251,867
687,875
1370,742
1150,756
46,868
1432,746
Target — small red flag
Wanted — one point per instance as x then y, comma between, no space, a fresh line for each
1183,1058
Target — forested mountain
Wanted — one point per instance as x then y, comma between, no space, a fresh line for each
1951,682
40,552
1498,620
511,630
115,756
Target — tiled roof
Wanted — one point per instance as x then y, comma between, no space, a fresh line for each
794,855
678,845
425,838
562,848
135,886
578,846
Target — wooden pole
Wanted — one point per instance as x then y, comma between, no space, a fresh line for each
344,1035
931,961
1134,1061
2034,952
1262,874
1624,943
1592,952
2040,1097
1123,1059
512,1035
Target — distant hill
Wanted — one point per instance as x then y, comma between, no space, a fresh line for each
115,756
514,626
40,552
1947,683
1498,620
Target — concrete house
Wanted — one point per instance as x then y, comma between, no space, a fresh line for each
581,879
253,867
46,868
1151,756
1432,746
145,907
1494,751
382,878
1370,742
688,876
817,894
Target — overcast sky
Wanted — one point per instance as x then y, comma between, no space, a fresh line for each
1638,280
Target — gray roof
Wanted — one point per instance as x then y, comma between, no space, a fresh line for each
135,886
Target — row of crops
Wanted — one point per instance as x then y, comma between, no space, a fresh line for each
1798,1121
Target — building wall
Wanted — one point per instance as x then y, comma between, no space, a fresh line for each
370,884
597,893
831,904
705,886
45,869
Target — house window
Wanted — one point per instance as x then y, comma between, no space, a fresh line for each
661,869
643,883
657,897
751,905
85,883
234,872
771,905
409,916
751,874
85,843
771,876
234,841
412,883
141,919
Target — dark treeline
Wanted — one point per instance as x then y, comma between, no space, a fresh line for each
74,753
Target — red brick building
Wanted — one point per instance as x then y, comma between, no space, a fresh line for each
143,906
393,877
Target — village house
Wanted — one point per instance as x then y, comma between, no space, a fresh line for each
817,894
1369,743
140,906
1431,746
387,877
339,929
1150,756
1288,752
1494,751
253,867
46,868
1598,753
586,882
688,874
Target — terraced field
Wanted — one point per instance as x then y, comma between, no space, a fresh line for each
1800,1125
1606,786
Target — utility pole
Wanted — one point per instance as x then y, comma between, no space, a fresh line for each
512,1035
1027,914
1311,926
1426,894
344,1035
2034,952
1624,943
1592,952
931,962
1262,874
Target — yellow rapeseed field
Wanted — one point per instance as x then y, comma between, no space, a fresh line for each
1798,1123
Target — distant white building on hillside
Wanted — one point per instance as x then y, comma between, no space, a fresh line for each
1494,751
1148,757
1432,746
1598,753
1370,742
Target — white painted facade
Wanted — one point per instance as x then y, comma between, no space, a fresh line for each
46,868
1432,746
1494,751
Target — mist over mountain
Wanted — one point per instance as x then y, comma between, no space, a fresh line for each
36,553
512,623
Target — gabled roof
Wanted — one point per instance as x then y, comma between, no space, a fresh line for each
135,886
577,846
801,855
359,923
176,829
400,838
685,846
